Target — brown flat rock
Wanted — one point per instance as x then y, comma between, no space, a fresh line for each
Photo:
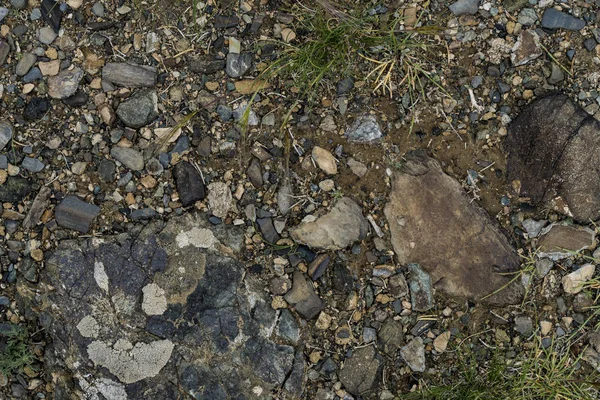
435,224
561,241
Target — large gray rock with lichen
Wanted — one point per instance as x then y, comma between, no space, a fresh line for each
161,310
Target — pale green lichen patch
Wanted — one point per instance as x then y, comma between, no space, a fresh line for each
88,327
100,276
197,237
154,301
131,363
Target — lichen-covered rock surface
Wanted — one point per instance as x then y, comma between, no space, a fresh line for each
162,310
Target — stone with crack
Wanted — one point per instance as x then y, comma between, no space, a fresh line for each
361,371
554,156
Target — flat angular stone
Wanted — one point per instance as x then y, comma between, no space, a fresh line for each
419,283
365,129
4,50
129,75
414,355
553,149
303,298
338,229
130,158
561,241
435,224
64,84
362,371
526,48
6,133
37,208
554,19
76,214
52,13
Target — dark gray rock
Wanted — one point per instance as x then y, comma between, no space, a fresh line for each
18,4
294,383
15,189
76,214
3,13
557,75
238,64
143,214
553,149
419,283
225,112
33,75
106,170
523,325
464,7
303,297
254,173
362,371
182,145
36,108
129,75
287,327
25,63
189,184
206,66
390,336
554,19
364,130
79,99
590,44
413,355
139,110
344,86
225,21
4,51
28,269
467,259
176,291
52,13
267,228
6,133
32,164
130,158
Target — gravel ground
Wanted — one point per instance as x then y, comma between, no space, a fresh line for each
372,226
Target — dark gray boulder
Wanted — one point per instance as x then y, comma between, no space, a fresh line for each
160,312
554,155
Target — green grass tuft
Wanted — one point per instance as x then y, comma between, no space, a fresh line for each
333,43
16,354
